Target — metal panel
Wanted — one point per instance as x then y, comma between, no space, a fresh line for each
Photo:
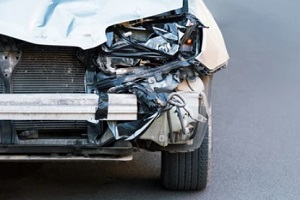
48,106
65,107
73,23
122,107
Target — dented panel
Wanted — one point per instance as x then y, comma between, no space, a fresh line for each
214,53
73,23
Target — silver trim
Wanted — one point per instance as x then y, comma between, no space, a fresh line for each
61,158
65,107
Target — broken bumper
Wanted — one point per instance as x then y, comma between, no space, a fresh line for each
66,107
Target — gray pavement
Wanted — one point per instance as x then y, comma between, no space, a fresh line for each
256,123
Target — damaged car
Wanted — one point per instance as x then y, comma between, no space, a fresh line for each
99,80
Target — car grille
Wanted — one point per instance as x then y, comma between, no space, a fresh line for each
46,69
49,125
49,69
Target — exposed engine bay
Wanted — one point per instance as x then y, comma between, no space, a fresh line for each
144,83
98,80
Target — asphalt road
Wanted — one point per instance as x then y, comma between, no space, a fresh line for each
256,123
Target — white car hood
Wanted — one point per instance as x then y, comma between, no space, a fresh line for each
73,22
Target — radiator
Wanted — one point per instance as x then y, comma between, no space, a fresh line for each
49,69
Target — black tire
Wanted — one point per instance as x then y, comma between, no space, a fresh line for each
188,171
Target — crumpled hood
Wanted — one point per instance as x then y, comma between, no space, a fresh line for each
73,22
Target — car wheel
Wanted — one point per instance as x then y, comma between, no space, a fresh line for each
188,171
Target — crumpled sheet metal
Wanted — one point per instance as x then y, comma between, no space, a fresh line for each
214,52
73,22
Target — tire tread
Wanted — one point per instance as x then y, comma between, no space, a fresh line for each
186,171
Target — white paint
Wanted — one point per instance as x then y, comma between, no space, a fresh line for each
73,23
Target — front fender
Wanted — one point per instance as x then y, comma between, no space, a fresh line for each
214,53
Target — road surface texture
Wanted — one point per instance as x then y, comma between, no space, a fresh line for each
256,123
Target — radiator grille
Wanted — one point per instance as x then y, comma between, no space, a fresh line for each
48,69
49,125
